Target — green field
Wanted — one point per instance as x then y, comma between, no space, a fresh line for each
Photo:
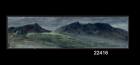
55,40
46,40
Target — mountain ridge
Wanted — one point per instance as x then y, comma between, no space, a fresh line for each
101,29
27,28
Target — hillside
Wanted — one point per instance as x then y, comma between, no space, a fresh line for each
74,35
46,40
27,29
97,29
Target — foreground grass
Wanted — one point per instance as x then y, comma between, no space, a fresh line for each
55,40
60,40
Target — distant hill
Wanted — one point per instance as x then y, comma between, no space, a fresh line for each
27,28
98,29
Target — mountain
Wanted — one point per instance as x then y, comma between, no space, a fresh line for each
27,28
74,35
96,29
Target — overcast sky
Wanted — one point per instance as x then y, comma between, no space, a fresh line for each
51,23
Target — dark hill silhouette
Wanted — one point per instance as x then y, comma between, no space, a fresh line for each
27,28
101,29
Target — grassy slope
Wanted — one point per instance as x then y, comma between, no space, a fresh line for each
56,40
60,40
99,42
43,40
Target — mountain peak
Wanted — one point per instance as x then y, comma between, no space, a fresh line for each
27,28
32,25
75,23
88,28
36,24
92,29
103,26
